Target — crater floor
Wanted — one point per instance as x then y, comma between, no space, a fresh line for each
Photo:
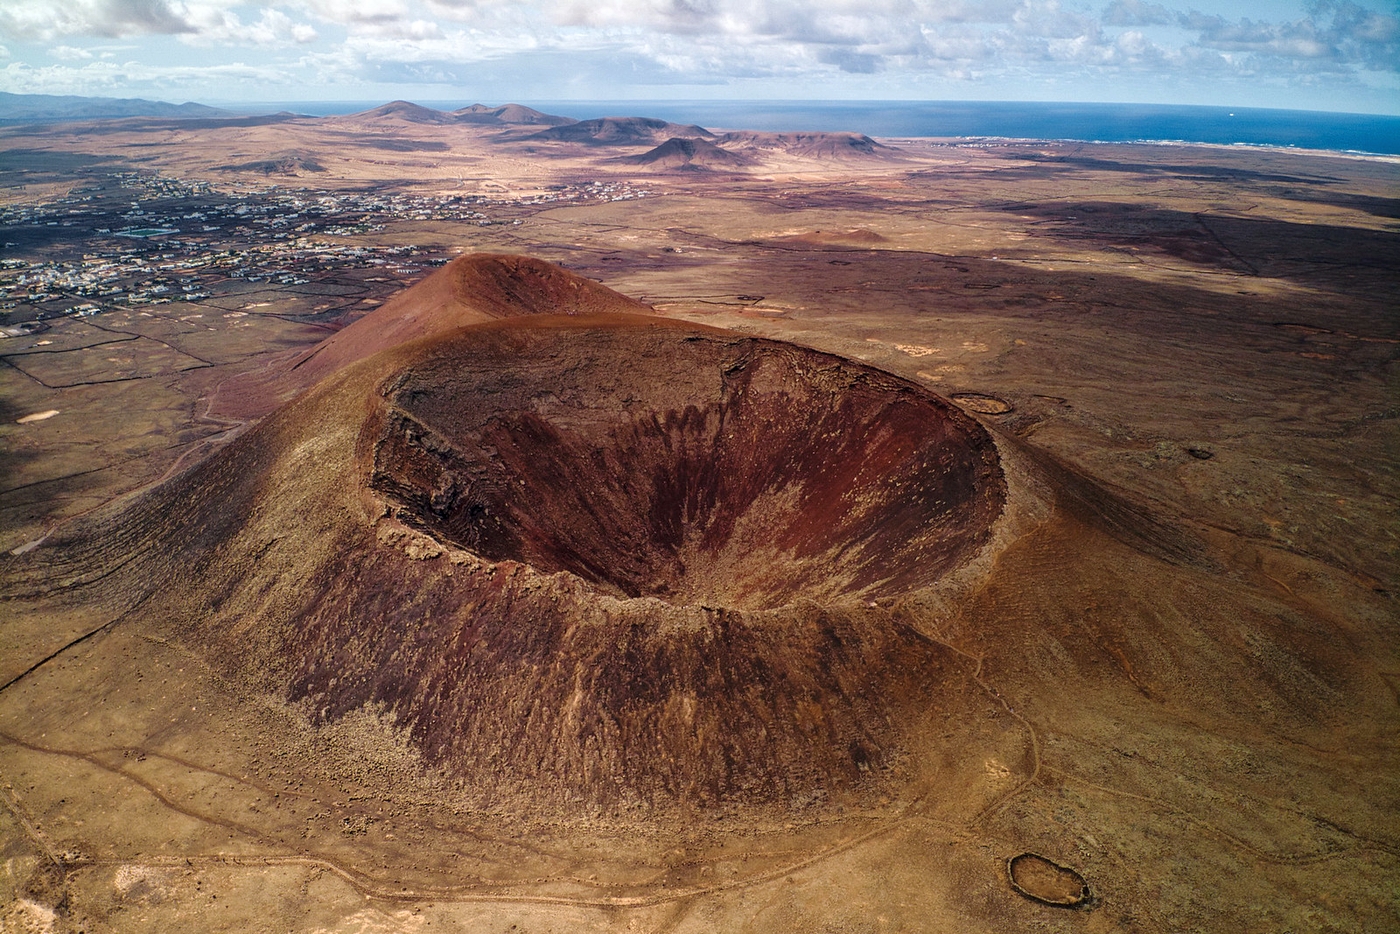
690,466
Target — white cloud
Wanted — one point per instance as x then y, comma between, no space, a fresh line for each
113,78
1337,31
352,13
215,26
45,20
850,35
647,42
67,53
198,21
1137,13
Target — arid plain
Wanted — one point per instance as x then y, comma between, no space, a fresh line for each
812,527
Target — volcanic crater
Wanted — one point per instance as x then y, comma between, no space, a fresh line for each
606,561
635,563
747,473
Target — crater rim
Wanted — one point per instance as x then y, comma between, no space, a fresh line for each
710,528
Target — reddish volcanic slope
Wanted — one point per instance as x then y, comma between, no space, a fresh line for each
471,289
608,561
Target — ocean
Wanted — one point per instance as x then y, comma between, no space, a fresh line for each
1025,120
1303,129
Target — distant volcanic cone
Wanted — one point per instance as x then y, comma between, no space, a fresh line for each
824,146
605,562
684,153
620,131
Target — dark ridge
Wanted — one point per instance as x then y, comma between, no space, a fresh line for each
1095,504
1198,172
48,108
193,123
407,145
291,163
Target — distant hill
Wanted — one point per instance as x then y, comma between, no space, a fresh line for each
621,131
686,154
476,115
509,115
830,146
402,110
42,108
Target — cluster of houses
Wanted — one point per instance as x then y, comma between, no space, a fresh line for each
140,238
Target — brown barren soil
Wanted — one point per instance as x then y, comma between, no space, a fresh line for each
851,540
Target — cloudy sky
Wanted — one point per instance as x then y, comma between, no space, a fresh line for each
1313,54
